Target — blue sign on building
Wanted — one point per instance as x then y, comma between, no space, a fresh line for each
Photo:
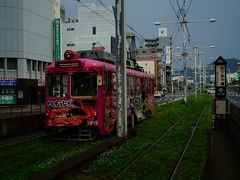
8,82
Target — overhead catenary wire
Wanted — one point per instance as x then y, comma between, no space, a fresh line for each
177,13
181,11
130,27
104,5
189,6
95,12
111,22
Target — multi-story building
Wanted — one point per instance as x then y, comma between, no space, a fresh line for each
94,28
149,59
26,48
155,54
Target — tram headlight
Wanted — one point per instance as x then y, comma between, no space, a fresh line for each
68,55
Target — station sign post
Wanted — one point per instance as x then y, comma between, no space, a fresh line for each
220,78
220,100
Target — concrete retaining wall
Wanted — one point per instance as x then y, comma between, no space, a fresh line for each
22,125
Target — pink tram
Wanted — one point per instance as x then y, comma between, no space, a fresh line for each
80,94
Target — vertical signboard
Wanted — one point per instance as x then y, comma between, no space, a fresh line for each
57,39
167,55
8,91
220,78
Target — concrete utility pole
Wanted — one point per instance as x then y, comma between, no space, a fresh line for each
184,25
121,81
195,71
200,76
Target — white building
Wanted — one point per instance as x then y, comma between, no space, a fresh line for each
95,26
26,36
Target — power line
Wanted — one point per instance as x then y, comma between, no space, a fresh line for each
180,12
95,12
104,5
189,6
184,14
130,27
173,39
135,31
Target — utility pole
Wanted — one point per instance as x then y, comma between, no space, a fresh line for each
200,74
184,58
121,81
195,70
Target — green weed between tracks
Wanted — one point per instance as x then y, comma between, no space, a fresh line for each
158,163
22,160
193,162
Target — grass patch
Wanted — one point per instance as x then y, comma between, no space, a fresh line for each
22,160
192,165
160,160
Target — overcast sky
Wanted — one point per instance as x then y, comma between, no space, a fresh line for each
224,34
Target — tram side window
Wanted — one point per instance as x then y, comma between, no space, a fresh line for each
57,85
84,84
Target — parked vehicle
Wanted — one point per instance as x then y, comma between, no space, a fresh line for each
158,94
211,91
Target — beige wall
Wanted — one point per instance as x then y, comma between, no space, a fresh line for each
56,8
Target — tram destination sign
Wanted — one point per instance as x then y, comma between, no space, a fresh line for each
68,65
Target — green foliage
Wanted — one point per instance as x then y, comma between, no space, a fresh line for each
158,162
22,160
194,160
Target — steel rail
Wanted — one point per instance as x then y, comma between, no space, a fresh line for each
193,129
139,156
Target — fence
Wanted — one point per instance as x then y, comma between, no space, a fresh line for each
16,111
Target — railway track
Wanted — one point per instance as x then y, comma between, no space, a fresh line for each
156,142
64,170
181,155
9,141
146,150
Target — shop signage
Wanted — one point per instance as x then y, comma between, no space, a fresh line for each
57,39
8,82
8,99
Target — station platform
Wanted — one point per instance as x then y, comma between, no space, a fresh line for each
224,157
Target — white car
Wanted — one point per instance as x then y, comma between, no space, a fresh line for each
158,94
211,91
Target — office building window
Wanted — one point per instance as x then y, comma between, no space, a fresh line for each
1,63
34,65
12,63
70,29
44,66
70,44
28,64
39,66
94,30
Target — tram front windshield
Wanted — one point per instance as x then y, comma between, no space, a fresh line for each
84,84
57,85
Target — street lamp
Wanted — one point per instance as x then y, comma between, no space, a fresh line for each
184,54
157,23
195,67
